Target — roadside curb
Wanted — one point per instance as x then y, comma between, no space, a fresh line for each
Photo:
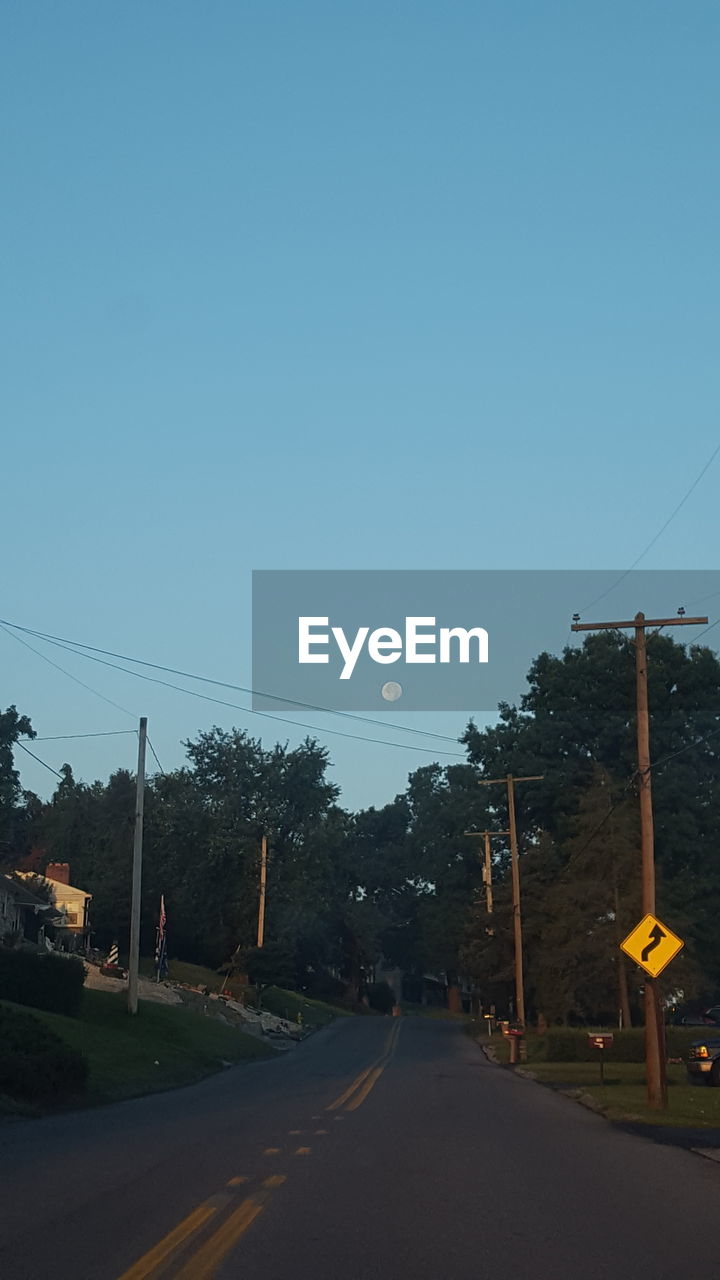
487,1049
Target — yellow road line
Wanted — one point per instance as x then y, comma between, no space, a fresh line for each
376,1072
275,1180
236,1182
360,1079
303,1151
355,1084
372,1080
271,1151
152,1259
203,1264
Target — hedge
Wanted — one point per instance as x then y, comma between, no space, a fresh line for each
568,1045
50,982
35,1064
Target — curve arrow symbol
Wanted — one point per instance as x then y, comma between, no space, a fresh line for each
656,936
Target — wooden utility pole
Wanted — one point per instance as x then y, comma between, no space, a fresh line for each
134,957
510,781
654,1046
487,867
263,881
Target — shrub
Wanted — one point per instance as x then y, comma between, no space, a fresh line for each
564,1044
325,987
269,966
49,982
35,1064
381,997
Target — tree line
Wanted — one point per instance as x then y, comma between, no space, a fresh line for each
403,881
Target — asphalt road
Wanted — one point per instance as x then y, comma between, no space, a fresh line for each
433,1164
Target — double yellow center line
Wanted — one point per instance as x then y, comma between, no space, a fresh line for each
204,1262
357,1092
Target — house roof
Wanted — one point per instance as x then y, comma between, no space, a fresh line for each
57,884
23,896
62,885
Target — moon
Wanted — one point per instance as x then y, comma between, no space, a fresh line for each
391,691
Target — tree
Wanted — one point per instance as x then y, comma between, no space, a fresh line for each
576,725
13,807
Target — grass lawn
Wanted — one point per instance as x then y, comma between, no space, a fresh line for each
284,1004
193,975
624,1094
162,1047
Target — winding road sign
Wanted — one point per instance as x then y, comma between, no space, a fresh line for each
652,945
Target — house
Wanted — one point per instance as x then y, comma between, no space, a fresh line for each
71,908
23,916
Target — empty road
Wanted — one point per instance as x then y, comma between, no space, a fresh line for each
378,1148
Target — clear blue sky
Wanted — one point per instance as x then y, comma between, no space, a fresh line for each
328,285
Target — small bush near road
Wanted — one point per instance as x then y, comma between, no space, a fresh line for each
50,982
381,997
35,1064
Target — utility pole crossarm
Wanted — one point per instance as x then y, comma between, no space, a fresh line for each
489,782
646,622
486,833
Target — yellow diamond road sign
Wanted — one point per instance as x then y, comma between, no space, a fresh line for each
652,945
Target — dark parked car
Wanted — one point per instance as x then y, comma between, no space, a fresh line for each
683,1017
704,1061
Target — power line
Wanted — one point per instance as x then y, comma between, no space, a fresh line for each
205,697
156,757
70,676
698,742
222,684
713,596
659,533
617,804
42,762
704,633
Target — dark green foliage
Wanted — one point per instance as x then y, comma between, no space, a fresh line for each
381,997
579,827
18,809
35,1064
324,987
269,966
47,982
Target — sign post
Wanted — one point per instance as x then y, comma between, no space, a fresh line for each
601,1041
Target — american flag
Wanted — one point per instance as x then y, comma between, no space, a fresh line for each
161,962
